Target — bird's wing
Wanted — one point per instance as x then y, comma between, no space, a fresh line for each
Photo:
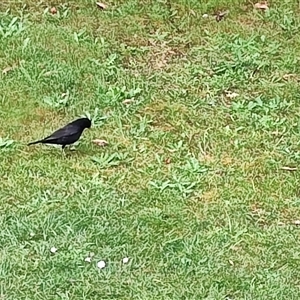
68,130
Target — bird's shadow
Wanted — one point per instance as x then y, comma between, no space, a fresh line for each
57,152
69,152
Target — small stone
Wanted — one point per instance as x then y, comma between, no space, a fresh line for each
101,264
125,260
53,250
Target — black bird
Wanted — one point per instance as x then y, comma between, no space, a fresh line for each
66,135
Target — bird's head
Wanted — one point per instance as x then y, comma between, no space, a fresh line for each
87,123
84,123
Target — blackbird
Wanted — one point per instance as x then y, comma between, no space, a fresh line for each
66,135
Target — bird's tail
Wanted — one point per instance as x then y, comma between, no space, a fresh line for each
36,142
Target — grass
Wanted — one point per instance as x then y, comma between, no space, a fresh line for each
191,186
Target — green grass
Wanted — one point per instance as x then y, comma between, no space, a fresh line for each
190,187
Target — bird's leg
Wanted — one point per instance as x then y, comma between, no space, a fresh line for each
63,150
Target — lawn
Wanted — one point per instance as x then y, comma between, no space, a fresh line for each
198,185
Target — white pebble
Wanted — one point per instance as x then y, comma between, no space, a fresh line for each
88,259
125,260
53,250
101,264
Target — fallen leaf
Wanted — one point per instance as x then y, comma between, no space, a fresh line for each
289,76
235,248
289,168
127,101
88,259
261,5
101,5
100,143
231,95
276,132
7,69
221,15
49,73
192,13
53,10
168,161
